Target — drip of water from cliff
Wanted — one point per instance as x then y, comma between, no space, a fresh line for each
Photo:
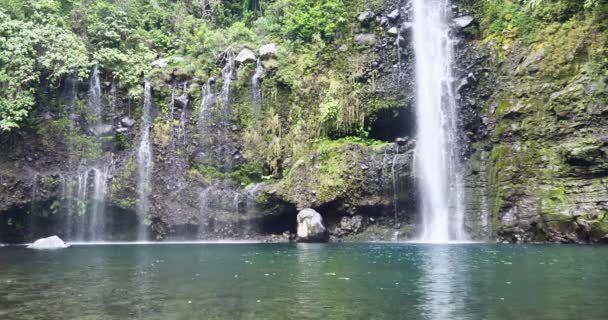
144,164
227,74
97,220
203,213
208,99
83,197
183,118
256,88
171,124
437,163
95,95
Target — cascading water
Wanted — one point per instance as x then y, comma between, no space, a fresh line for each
144,163
256,88
207,101
183,119
437,162
227,74
97,220
95,94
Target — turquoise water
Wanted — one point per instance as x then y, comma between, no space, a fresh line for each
305,281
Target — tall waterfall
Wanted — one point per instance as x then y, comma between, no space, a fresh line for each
144,163
207,102
437,162
256,88
227,74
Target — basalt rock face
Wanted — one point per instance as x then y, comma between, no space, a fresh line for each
207,180
537,162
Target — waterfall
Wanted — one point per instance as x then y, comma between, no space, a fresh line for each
227,73
183,118
256,88
207,102
97,219
84,186
95,94
203,213
144,163
171,126
437,163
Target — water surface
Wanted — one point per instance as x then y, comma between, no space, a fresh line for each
305,281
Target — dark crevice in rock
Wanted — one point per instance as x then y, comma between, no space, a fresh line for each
389,124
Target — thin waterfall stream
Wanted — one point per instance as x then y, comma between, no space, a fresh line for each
437,163
144,163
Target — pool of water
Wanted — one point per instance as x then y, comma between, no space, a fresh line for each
305,281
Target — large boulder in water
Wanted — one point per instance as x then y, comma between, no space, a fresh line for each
49,243
310,227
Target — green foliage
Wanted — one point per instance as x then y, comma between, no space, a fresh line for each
306,18
33,50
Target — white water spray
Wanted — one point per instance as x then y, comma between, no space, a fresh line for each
437,162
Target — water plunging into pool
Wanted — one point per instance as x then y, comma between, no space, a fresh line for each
437,162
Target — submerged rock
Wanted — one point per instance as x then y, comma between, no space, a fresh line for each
49,243
310,226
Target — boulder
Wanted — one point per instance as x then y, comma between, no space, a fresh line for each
310,226
365,18
393,31
127,122
49,243
463,22
246,55
159,63
394,15
365,38
268,51
102,130
351,224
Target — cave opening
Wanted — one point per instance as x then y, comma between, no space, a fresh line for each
389,124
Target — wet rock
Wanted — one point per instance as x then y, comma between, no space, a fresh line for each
102,129
405,34
463,22
268,51
122,130
245,56
50,243
365,38
351,224
365,18
394,15
310,226
393,31
127,122
401,141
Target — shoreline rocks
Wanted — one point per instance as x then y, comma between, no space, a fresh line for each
310,227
